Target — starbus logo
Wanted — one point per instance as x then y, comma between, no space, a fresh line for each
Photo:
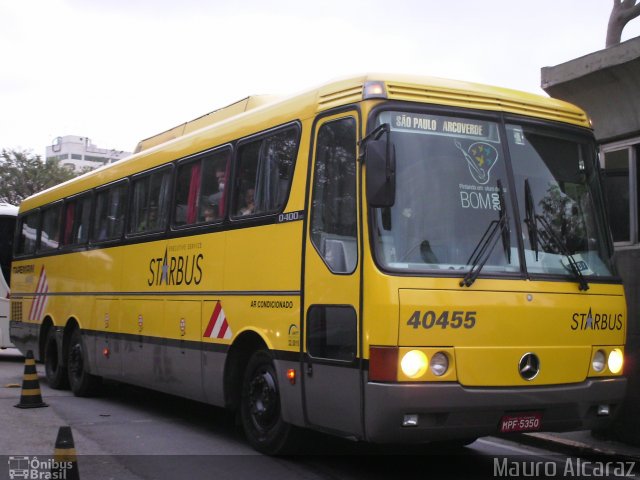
175,269
596,321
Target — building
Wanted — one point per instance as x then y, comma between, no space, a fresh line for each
78,153
605,84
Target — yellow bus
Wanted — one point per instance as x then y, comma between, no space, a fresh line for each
386,258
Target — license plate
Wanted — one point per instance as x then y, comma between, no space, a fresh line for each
521,422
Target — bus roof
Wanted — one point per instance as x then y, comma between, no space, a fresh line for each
210,118
257,113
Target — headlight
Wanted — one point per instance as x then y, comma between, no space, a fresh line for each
615,360
599,361
439,364
414,363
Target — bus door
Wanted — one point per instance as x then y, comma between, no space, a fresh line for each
331,370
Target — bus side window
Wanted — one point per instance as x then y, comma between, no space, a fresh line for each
69,214
215,173
82,221
332,332
26,243
109,215
200,190
265,168
149,211
187,191
51,228
76,221
333,205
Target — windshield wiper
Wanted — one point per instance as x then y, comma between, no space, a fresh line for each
488,241
548,237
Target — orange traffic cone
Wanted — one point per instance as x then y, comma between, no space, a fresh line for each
30,396
65,463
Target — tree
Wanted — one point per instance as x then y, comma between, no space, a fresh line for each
22,174
564,215
623,11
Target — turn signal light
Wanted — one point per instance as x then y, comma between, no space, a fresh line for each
383,364
291,375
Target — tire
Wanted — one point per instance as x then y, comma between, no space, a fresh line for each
56,373
260,410
82,383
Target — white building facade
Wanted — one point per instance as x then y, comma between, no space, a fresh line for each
78,153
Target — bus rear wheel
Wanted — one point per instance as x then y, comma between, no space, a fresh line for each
260,411
82,383
56,372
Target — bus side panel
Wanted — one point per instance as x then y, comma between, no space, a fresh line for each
24,335
141,323
23,331
264,266
181,368
5,341
264,259
108,342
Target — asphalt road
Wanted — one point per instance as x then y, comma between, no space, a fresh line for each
133,433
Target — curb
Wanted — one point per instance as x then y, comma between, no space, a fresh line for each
574,447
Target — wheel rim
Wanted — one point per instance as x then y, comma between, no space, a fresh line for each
264,405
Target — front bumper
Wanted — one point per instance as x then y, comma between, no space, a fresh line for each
448,411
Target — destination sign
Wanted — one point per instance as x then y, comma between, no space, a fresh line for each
459,127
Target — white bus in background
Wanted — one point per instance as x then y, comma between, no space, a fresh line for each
8,215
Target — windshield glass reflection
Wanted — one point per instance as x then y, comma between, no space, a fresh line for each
451,188
453,185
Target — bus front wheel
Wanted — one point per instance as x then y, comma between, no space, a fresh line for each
82,383
56,372
260,410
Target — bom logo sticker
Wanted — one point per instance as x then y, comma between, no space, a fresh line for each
481,158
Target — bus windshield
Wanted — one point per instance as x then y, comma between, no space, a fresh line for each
453,189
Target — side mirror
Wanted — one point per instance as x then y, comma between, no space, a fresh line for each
380,161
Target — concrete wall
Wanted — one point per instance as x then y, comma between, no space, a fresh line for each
607,85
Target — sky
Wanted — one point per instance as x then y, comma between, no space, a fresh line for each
118,71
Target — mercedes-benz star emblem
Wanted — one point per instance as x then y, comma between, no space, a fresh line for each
529,366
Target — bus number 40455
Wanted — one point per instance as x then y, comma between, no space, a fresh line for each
444,319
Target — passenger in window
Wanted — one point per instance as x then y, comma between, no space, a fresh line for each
149,223
249,202
210,213
212,210
220,176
